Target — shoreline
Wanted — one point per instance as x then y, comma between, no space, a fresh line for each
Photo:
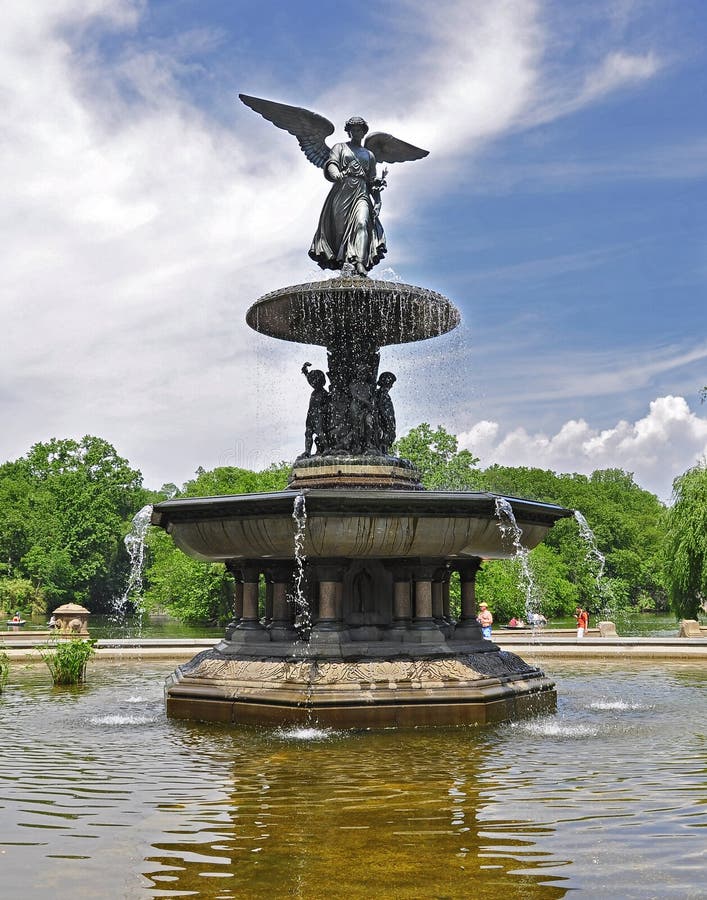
546,646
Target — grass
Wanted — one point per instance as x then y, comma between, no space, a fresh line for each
67,660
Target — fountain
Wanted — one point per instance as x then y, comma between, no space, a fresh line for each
342,613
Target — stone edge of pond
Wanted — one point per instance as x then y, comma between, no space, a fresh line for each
555,647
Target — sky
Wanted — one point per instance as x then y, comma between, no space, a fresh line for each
143,209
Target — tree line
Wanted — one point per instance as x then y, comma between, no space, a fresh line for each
66,506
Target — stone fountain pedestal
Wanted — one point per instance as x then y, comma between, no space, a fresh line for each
358,685
382,647
342,610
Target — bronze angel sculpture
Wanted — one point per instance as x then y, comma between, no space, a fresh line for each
350,236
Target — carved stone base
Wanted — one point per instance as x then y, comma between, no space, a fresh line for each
437,689
354,472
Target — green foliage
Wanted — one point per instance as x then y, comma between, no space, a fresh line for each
67,660
627,522
64,509
442,466
194,591
686,543
22,595
4,669
226,480
498,584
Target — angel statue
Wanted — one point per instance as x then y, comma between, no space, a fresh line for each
350,236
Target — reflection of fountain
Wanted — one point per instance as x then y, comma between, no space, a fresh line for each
365,549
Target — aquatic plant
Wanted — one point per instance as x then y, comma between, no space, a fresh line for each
67,660
4,669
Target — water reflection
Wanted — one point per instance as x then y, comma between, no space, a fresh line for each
398,814
104,797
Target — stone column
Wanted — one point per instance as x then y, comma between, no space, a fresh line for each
402,596
281,628
402,599
251,583
328,630
446,608
437,595
467,627
329,576
234,568
424,621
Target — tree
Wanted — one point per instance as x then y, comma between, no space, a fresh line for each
193,591
627,522
436,454
64,509
197,591
686,543
226,480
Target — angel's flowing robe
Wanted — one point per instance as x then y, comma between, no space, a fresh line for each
349,230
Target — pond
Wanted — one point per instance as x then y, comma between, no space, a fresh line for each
103,796
628,624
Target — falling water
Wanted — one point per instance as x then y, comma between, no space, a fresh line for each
596,562
135,545
303,618
510,529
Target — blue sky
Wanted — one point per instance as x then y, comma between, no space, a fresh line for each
562,208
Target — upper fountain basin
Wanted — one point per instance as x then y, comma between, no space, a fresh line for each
326,312
379,524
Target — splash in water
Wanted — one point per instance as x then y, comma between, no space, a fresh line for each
511,530
135,545
302,733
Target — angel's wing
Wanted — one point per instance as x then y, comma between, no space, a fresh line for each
389,149
309,128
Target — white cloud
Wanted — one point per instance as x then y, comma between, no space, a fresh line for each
656,448
136,230
618,70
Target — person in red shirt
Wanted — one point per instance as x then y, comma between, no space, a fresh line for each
582,617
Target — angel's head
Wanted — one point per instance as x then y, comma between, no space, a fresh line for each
356,122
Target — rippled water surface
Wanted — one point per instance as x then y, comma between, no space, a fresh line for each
102,796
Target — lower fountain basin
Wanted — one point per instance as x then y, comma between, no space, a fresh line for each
476,685
381,647
351,523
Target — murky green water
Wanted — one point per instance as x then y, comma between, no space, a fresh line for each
103,797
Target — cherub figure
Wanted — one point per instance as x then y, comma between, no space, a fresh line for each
385,413
362,413
350,236
317,424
